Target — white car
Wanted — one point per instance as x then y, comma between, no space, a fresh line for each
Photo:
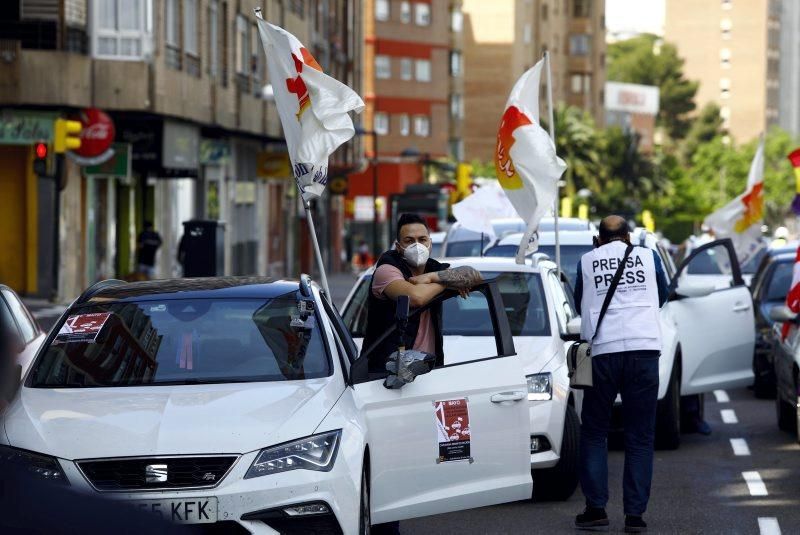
539,309
707,329
241,402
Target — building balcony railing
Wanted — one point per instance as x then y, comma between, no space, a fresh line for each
33,34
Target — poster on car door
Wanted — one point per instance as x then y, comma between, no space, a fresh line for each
452,429
83,327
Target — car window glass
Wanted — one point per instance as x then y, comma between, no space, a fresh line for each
712,261
666,262
780,282
7,322
570,256
26,327
561,305
340,333
466,248
355,314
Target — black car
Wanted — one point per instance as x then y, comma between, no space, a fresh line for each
769,287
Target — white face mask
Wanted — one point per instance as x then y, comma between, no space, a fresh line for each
416,254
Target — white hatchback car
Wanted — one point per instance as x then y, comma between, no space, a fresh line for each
241,402
539,308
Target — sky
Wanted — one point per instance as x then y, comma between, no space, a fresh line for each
635,16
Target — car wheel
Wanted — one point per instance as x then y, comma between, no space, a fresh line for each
787,417
668,415
364,515
559,482
764,382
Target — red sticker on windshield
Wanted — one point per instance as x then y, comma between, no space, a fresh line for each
83,327
453,430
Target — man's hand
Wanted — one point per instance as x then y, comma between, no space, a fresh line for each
426,278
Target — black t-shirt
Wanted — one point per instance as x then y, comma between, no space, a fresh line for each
149,242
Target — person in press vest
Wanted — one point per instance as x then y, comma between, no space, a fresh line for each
625,354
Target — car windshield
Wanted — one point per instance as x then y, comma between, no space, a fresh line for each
780,282
751,266
523,299
184,341
466,247
570,256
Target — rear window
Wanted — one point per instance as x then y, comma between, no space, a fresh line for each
184,341
780,282
466,248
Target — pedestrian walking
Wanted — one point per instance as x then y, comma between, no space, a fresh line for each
362,259
147,244
619,289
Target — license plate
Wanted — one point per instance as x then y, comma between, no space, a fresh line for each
181,511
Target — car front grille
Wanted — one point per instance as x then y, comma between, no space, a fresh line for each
156,473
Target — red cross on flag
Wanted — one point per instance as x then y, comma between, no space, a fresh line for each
313,107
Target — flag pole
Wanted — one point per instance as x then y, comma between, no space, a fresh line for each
551,124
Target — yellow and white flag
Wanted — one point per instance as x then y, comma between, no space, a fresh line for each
525,159
313,107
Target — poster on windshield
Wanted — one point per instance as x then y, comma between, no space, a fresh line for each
452,429
83,327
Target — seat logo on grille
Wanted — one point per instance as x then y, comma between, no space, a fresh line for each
155,473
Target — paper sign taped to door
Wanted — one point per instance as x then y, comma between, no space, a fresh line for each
83,327
453,430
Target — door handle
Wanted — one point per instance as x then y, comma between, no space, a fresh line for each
502,397
741,307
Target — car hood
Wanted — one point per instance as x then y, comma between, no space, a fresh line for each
164,420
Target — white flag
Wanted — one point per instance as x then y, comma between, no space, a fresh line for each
741,219
525,158
313,107
477,211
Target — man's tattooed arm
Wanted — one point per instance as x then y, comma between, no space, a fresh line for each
460,278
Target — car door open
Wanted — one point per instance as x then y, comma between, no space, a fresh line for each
455,438
716,325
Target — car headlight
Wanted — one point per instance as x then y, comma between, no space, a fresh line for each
43,466
540,386
317,452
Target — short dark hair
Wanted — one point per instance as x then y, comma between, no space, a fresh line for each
409,219
148,224
614,228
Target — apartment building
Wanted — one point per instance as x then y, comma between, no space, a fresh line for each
733,48
504,38
195,133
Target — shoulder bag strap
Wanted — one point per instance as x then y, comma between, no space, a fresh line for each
612,289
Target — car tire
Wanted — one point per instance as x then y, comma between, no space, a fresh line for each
787,415
364,514
559,482
668,414
764,382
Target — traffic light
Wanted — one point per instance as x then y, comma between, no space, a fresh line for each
67,136
40,152
463,180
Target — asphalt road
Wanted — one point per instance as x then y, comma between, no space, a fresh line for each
700,488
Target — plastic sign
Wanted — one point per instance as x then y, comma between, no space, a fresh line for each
66,135
97,135
453,430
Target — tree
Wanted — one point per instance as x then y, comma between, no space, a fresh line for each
706,127
579,144
646,60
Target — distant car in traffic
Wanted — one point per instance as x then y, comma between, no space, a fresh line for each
24,333
242,403
437,241
540,311
786,363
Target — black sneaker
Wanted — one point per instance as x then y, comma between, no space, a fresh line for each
635,524
592,519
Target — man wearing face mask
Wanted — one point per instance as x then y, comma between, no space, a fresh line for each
407,269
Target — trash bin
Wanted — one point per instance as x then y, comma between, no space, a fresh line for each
203,248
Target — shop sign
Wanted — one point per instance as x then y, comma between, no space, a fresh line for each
214,151
245,192
273,165
338,185
119,165
97,136
364,208
181,146
25,128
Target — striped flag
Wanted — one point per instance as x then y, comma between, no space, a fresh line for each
793,297
794,157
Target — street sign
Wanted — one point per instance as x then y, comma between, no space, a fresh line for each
338,185
119,165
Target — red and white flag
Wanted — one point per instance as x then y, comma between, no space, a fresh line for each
793,297
314,108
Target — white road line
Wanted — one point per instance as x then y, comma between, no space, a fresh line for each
739,446
729,416
722,396
755,484
768,525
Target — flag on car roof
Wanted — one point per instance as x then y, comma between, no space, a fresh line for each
525,158
793,297
313,107
794,157
742,218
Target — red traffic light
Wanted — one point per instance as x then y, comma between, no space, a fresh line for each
41,150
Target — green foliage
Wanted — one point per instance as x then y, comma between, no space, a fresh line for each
706,127
645,59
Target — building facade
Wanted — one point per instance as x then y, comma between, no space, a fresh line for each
732,47
789,107
185,84
504,38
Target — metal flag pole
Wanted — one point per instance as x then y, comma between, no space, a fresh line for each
551,124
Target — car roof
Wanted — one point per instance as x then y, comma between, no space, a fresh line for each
196,288
783,257
565,237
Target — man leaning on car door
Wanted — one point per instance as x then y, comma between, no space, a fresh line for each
625,354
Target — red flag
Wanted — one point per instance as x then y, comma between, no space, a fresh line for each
794,157
793,297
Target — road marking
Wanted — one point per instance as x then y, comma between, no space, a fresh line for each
729,416
768,525
722,396
739,446
755,484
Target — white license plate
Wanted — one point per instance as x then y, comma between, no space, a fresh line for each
183,510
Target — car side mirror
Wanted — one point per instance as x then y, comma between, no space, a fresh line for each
405,366
693,289
782,314
573,333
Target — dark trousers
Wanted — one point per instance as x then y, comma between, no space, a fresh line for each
634,375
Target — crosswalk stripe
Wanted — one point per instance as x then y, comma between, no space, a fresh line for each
739,446
768,525
755,484
722,396
729,416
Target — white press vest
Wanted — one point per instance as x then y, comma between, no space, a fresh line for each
631,321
